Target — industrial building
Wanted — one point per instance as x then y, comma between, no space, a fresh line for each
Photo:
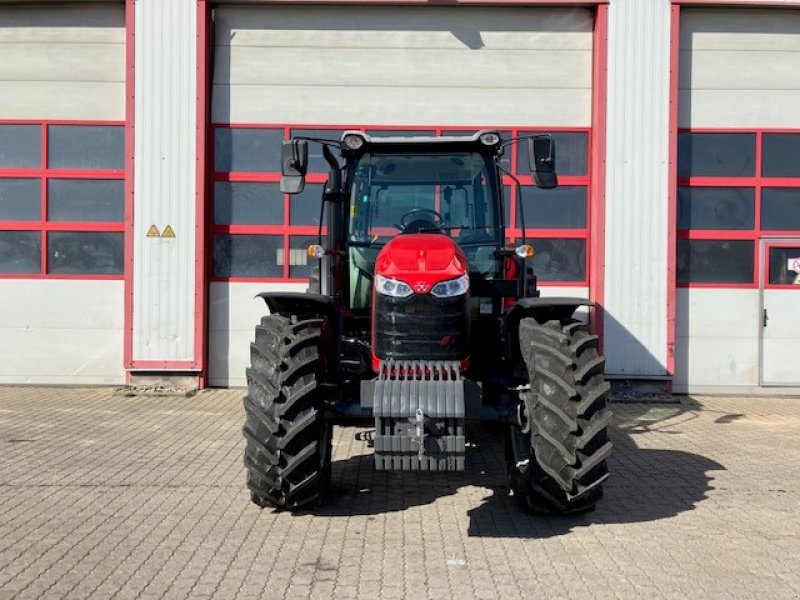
139,164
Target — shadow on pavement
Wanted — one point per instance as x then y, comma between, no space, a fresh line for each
645,484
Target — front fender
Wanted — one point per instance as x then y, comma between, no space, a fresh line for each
299,303
541,309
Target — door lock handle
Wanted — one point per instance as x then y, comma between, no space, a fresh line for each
766,318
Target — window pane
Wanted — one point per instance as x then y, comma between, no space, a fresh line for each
572,153
85,252
559,259
561,208
781,155
505,160
247,203
20,252
86,147
716,154
299,263
304,207
316,163
784,266
716,208
248,150
715,261
86,200
248,255
780,208
20,199
20,146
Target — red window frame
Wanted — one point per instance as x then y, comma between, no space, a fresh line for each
287,230
769,246
756,182
44,173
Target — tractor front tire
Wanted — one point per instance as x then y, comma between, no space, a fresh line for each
288,451
557,460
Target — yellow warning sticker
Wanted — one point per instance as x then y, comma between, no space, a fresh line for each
153,231
168,233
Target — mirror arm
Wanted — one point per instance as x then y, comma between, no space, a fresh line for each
520,209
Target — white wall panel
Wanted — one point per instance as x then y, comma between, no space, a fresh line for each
636,190
235,312
58,331
164,269
62,62
739,67
394,65
717,340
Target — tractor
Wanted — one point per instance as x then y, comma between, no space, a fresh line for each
421,316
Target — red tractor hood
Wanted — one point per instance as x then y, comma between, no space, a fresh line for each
421,260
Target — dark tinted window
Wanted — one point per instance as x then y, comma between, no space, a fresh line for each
304,207
505,160
86,200
784,266
780,208
20,146
247,203
716,154
86,147
20,252
84,253
716,208
316,162
248,256
572,153
715,261
559,259
247,150
20,199
561,208
299,262
781,155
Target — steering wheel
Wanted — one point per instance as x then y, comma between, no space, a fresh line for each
407,225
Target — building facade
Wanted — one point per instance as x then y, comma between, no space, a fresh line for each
139,166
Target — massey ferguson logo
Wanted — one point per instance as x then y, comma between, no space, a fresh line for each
421,287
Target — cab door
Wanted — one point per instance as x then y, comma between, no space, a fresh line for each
780,312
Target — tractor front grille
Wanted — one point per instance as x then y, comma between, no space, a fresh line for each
421,327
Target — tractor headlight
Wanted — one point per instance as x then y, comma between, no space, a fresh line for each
392,287
451,287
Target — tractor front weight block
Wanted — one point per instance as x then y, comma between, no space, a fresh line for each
419,415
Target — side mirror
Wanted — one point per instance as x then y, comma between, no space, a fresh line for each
294,165
542,160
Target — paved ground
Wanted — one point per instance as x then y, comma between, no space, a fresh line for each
105,496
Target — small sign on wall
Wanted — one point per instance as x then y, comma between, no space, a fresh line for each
154,233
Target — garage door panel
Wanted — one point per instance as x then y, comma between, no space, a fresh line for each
729,70
723,29
62,100
721,108
401,106
739,68
63,24
49,62
401,67
433,27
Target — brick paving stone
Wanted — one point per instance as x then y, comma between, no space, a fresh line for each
105,496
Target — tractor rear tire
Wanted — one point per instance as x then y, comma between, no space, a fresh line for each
557,460
288,451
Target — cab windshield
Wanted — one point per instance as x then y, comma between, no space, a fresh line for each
397,192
